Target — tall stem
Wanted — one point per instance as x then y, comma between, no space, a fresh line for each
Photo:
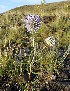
34,49
33,44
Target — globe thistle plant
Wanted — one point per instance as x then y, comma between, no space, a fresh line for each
32,22
50,41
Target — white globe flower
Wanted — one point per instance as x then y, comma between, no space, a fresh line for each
50,41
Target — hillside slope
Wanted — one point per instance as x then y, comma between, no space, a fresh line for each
59,13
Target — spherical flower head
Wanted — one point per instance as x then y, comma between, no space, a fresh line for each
32,22
50,41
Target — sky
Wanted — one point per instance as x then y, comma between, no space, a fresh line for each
6,5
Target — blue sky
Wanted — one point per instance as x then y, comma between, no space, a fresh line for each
6,5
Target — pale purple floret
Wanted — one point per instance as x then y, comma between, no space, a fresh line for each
32,22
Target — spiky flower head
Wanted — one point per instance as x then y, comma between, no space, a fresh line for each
32,22
50,41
